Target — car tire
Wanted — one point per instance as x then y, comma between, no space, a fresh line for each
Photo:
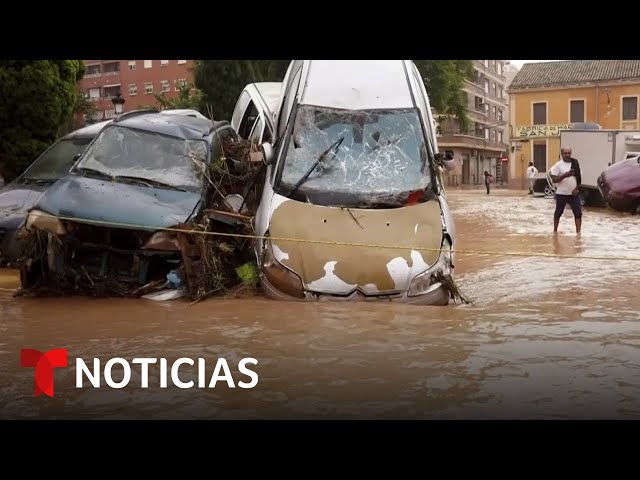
583,197
548,191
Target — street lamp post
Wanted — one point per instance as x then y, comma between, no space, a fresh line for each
118,104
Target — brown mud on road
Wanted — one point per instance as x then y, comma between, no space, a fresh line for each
545,337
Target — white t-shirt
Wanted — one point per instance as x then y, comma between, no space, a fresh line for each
566,185
532,172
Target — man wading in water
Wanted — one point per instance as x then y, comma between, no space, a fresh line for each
567,177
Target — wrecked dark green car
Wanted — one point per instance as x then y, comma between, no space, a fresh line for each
106,227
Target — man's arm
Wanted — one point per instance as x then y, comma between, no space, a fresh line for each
555,178
576,167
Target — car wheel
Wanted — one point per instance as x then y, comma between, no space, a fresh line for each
548,191
583,197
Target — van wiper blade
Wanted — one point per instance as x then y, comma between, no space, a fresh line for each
335,145
38,181
93,171
149,182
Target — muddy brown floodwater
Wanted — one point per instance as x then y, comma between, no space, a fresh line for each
544,338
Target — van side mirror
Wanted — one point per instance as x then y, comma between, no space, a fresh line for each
445,160
267,153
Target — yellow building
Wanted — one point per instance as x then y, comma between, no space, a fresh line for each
548,97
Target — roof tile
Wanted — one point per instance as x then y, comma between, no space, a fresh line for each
568,72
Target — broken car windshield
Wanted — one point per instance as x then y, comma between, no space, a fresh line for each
125,152
383,152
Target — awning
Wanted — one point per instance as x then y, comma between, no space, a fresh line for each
112,85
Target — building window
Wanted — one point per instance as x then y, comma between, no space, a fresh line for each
133,89
540,156
576,111
165,86
495,90
487,133
164,63
486,86
148,63
180,62
93,70
148,87
500,114
501,136
495,113
476,77
629,108
94,93
132,64
539,114
499,68
500,92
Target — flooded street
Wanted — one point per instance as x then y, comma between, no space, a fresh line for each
545,337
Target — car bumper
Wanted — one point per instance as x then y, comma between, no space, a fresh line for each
439,296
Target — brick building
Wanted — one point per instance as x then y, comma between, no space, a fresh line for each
484,144
137,81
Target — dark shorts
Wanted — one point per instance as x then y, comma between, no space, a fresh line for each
561,203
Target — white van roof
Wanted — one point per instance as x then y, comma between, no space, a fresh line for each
358,84
270,92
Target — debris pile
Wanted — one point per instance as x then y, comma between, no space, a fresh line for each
222,231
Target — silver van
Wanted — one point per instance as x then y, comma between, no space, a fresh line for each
353,206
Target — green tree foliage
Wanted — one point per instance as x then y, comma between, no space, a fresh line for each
444,80
37,98
221,81
188,97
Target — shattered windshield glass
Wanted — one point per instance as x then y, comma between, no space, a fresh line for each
364,152
120,151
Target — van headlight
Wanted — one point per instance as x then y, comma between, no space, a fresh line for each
428,280
279,276
45,221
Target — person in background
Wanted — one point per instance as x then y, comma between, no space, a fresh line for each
488,178
531,175
567,177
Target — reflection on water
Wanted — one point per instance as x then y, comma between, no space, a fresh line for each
545,338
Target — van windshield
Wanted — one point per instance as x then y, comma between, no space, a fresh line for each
367,154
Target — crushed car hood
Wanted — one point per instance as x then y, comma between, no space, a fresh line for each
332,268
100,201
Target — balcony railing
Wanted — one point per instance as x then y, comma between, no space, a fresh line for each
469,140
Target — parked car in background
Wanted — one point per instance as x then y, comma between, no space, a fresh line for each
143,173
189,112
619,185
355,169
253,115
17,197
